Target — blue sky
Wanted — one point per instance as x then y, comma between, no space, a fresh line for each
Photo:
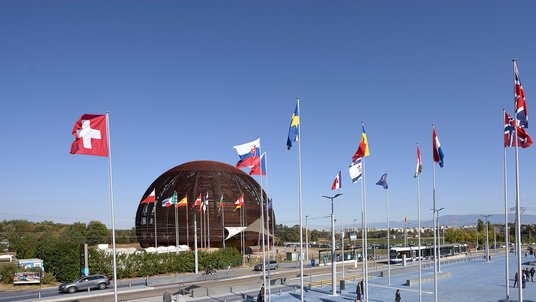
187,80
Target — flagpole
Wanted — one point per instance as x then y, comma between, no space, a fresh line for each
300,202
419,225
155,233
208,223
434,222
195,244
388,235
342,230
262,231
222,208
506,232
268,286
366,231
187,224
518,212
177,226
112,205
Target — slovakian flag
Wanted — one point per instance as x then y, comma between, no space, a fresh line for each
418,169
363,149
260,166
524,140
294,128
90,135
383,181
170,201
356,170
438,153
522,114
337,182
197,202
249,153
239,202
183,202
149,199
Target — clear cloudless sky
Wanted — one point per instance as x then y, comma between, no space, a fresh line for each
187,80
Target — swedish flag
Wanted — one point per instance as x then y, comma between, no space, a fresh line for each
293,130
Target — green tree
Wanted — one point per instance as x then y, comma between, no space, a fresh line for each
75,233
480,225
61,258
97,233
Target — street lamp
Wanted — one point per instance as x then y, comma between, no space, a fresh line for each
437,244
487,238
333,254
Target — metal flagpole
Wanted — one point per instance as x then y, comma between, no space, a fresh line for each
112,205
261,205
300,203
195,244
222,209
388,235
187,224
176,226
434,222
419,225
268,286
342,231
155,233
366,231
333,254
506,232
208,222
518,209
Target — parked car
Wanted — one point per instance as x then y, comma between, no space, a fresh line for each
270,264
92,282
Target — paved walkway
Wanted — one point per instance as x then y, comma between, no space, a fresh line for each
469,281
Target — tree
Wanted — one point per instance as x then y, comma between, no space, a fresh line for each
97,233
75,233
480,225
60,257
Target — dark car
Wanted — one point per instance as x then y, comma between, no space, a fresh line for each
271,264
92,282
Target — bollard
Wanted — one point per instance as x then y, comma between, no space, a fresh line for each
130,284
294,287
39,295
280,292
321,283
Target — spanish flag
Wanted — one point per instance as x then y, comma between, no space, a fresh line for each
183,202
363,150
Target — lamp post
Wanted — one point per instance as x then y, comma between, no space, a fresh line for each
487,238
437,246
333,254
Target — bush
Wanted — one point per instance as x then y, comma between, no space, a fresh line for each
6,273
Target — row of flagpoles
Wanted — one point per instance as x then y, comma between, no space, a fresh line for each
92,137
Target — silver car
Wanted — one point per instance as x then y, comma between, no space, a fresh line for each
270,265
92,282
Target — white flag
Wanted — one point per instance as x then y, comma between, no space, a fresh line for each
356,170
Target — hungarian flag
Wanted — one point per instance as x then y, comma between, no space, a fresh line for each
183,202
197,202
363,149
170,201
418,169
90,135
151,198
438,152
522,114
239,202
337,182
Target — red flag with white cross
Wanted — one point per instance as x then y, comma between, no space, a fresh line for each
90,134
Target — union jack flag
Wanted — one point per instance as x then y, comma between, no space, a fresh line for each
524,140
522,114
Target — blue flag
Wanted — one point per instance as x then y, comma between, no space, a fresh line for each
383,181
293,130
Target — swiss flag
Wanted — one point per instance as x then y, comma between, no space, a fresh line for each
90,134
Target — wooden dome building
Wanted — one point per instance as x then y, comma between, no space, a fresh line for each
215,226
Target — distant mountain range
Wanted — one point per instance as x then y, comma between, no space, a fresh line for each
456,220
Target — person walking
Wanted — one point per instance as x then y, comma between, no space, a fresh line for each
260,296
532,271
358,292
523,280
516,278
397,296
